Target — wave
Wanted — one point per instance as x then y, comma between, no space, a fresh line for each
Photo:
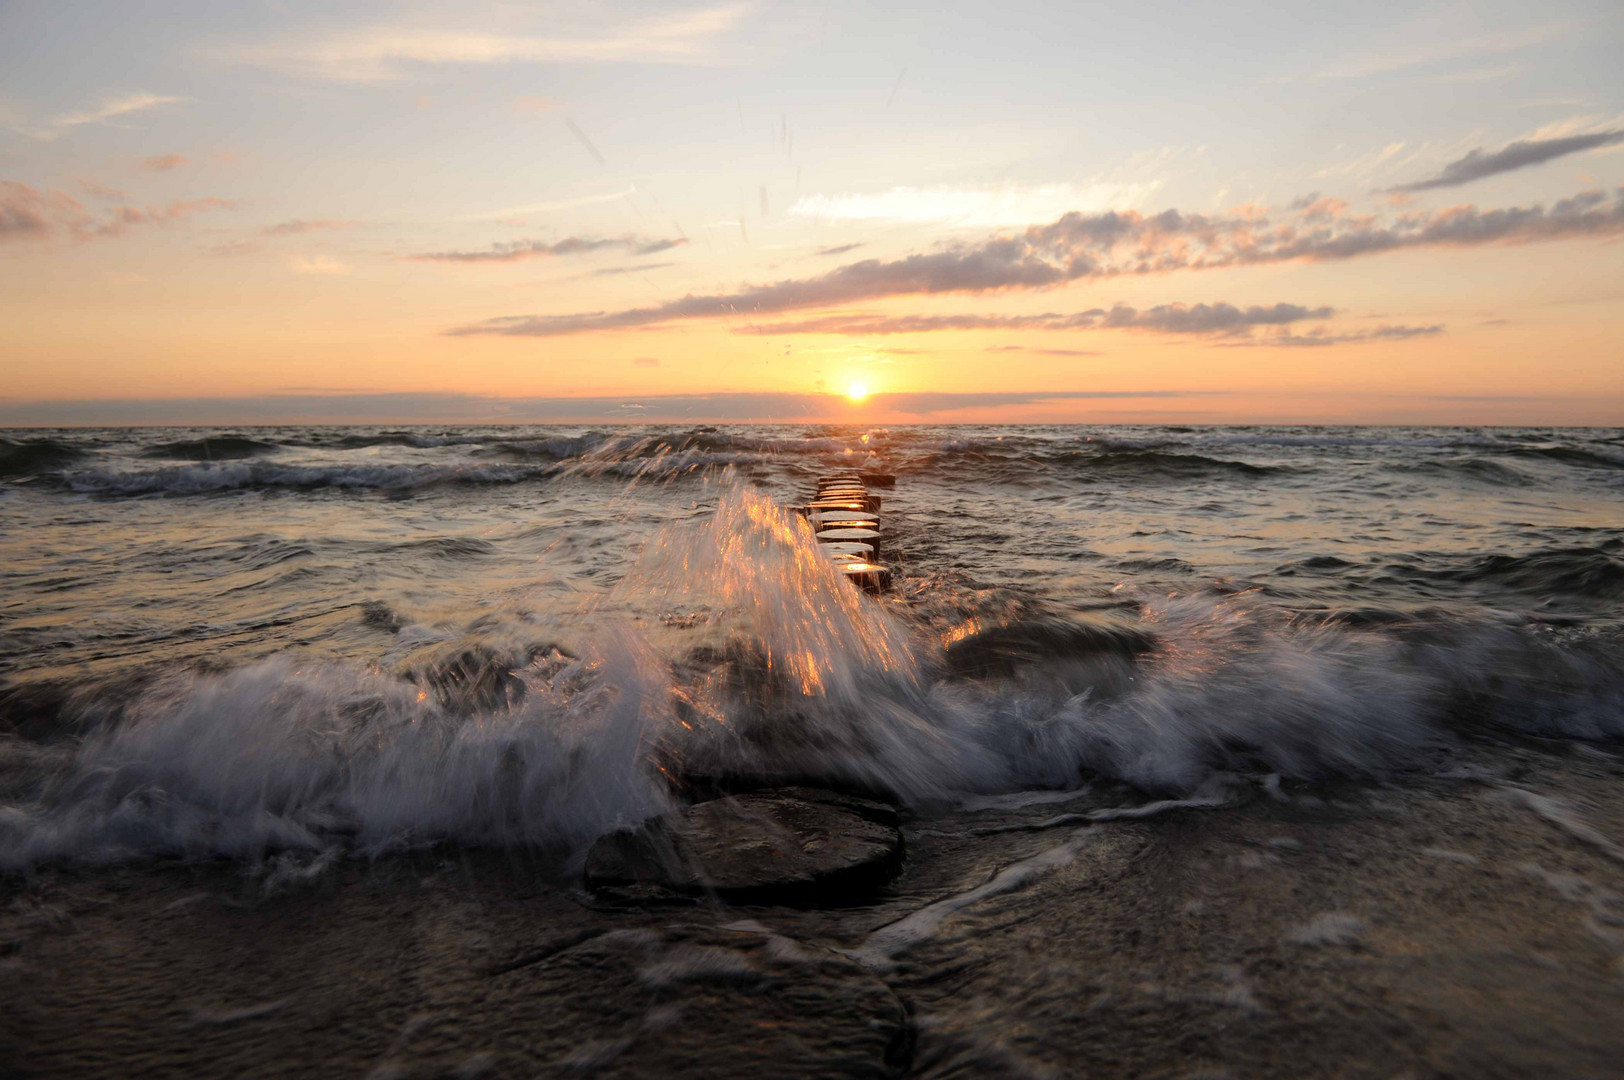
237,476
507,741
1572,455
1156,464
30,457
417,440
213,448
1475,468
1316,440
446,547
1589,574
207,478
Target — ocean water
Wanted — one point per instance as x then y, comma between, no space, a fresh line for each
335,641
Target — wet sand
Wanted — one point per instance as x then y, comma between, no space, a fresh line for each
1462,925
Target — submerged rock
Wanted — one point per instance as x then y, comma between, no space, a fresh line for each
789,845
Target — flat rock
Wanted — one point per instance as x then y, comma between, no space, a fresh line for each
788,845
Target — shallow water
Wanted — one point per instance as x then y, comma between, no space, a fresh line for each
329,639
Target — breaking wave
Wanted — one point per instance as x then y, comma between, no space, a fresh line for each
28,457
506,738
235,476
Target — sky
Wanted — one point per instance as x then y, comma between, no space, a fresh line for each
283,211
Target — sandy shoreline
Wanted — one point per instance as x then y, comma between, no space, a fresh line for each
1459,926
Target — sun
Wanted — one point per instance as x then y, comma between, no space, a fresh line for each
857,391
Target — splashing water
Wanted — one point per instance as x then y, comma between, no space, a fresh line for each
791,674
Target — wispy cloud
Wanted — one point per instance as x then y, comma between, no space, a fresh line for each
298,227
163,162
1518,155
126,218
231,248
1321,338
103,192
391,51
29,214
633,268
1208,318
518,250
1045,352
1081,246
318,266
549,207
1200,319
108,111
975,207
839,249
1443,48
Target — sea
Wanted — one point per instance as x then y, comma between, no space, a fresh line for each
350,641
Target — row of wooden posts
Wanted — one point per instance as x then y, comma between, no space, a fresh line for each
845,517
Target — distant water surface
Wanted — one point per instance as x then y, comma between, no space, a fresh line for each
218,640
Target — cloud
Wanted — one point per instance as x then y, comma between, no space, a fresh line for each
1208,318
298,227
860,325
1316,339
1441,49
108,111
974,207
530,103
1081,246
317,265
517,250
163,162
839,249
1518,155
392,51
1044,352
1000,264
634,268
126,218
102,191
29,214
548,207
232,248
1199,319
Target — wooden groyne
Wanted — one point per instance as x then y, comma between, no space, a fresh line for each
845,517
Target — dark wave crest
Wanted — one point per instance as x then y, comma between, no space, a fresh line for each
1162,465
213,448
29,457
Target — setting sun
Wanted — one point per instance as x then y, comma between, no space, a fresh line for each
857,391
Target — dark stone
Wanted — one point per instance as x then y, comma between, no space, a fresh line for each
1001,649
789,845
870,577
479,678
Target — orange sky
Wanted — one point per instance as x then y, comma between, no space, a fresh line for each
735,201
